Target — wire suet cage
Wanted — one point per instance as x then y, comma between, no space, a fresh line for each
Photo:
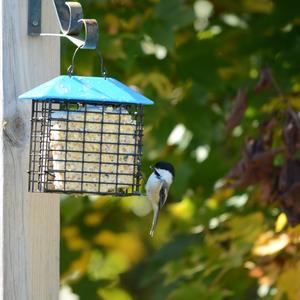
86,137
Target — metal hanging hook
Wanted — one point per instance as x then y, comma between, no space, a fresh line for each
70,17
71,21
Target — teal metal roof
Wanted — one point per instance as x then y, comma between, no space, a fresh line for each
97,89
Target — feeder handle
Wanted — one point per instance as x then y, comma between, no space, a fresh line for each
103,69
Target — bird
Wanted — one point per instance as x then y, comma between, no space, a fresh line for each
157,188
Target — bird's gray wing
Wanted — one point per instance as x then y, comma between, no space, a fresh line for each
163,194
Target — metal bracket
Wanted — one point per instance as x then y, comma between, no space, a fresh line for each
34,17
70,17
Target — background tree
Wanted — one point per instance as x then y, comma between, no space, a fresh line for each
225,78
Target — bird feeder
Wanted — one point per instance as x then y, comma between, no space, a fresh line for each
86,136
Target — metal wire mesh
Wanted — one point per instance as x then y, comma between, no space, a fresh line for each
85,148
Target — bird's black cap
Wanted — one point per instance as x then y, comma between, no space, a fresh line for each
165,166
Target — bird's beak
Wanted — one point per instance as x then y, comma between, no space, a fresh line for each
152,167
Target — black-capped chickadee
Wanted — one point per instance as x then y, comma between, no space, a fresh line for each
157,188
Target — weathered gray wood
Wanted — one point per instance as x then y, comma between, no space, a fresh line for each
29,244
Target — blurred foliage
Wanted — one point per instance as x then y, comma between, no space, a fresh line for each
191,57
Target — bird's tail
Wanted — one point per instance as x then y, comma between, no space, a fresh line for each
154,221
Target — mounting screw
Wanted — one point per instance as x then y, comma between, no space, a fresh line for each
35,22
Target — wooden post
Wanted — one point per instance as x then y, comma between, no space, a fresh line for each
29,235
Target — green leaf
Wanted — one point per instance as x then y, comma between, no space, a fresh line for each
70,207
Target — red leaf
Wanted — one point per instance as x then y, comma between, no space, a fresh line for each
264,81
238,110
266,129
256,166
290,204
291,131
268,188
237,171
290,174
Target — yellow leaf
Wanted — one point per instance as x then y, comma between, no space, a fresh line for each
281,222
77,243
247,227
212,203
140,205
77,268
276,104
93,219
156,80
294,233
259,6
288,283
99,202
113,23
114,294
106,238
223,194
109,266
219,195
70,232
183,209
128,244
82,263
130,24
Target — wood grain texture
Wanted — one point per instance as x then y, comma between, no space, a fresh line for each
29,222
